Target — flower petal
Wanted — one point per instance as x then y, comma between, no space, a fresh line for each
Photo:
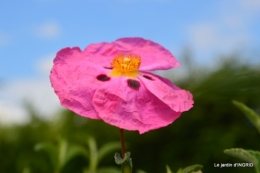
153,55
177,99
132,109
75,81
102,53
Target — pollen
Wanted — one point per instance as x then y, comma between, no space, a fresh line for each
125,65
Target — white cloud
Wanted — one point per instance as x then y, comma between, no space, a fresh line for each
217,37
48,30
37,92
12,114
234,21
45,64
203,36
227,33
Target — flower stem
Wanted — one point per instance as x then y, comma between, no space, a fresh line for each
122,139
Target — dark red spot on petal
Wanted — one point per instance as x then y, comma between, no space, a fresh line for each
110,68
134,84
148,77
103,77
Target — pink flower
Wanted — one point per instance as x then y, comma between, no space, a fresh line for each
110,81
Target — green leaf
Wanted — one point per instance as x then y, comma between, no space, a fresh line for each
26,170
140,171
68,152
108,170
107,148
93,154
251,115
120,160
179,170
191,169
74,151
104,170
51,151
246,155
62,151
168,170
126,162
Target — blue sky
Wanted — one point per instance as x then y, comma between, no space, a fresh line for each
32,31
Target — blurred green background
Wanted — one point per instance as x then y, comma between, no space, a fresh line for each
199,136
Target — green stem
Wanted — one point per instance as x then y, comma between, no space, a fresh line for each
122,139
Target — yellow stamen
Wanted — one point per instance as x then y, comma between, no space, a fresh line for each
125,65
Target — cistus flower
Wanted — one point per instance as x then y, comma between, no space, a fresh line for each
111,82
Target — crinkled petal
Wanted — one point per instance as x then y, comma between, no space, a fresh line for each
102,53
75,82
131,109
177,99
153,55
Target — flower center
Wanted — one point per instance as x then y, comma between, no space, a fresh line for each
125,65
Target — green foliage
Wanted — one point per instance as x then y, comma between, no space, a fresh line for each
168,170
97,155
126,162
246,155
251,115
140,171
62,153
191,169
107,148
108,170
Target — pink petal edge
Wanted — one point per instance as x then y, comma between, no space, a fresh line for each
177,99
